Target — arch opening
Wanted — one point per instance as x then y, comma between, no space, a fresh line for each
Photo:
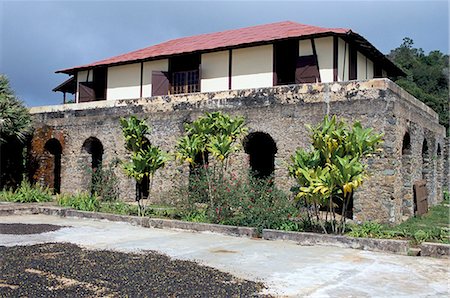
406,145
94,147
53,146
425,159
261,148
142,187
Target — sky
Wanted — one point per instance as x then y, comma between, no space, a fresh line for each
39,37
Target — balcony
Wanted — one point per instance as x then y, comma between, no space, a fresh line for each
185,82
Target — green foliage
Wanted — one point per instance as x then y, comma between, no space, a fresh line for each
27,193
118,208
215,133
80,201
196,216
104,182
134,131
431,227
427,76
146,159
367,230
331,170
15,121
241,200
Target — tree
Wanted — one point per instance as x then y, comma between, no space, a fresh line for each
146,159
15,127
214,134
328,174
427,76
15,121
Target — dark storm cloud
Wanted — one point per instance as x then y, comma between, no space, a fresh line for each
37,37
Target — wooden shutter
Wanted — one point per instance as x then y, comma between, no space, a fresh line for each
420,197
160,83
307,70
86,92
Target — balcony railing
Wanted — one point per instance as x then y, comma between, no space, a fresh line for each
185,82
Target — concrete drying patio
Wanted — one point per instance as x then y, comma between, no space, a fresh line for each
285,268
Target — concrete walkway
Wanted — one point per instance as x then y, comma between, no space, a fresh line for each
286,268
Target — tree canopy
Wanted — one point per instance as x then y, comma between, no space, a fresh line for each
427,76
15,121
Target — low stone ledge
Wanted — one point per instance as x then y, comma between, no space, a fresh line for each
18,211
150,222
437,250
400,247
203,227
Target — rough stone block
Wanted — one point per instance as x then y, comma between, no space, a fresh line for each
382,245
437,250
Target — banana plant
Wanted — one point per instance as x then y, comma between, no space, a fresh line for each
146,159
328,174
214,134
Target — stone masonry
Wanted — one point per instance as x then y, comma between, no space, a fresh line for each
281,112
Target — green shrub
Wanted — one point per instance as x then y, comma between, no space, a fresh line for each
27,193
240,200
367,229
80,201
104,182
118,208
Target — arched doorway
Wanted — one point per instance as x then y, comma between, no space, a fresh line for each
94,148
261,149
54,148
425,159
408,205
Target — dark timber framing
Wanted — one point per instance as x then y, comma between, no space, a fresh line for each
142,79
313,45
353,62
335,58
230,67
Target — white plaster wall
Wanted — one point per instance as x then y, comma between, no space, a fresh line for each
305,48
214,71
149,66
343,60
361,66
124,81
324,49
370,69
252,67
82,76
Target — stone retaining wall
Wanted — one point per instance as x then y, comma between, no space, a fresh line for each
282,112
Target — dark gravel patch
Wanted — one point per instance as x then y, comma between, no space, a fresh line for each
27,229
66,270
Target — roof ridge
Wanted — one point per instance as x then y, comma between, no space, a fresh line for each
214,40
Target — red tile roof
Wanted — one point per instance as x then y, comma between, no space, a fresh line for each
215,41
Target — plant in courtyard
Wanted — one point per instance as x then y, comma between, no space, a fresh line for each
15,121
328,174
15,127
146,158
240,199
81,201
104,182
214,134
27,193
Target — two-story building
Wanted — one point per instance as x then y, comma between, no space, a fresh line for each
280,77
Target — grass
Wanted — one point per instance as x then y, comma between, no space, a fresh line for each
431,227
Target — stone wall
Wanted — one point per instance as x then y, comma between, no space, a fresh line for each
282,112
